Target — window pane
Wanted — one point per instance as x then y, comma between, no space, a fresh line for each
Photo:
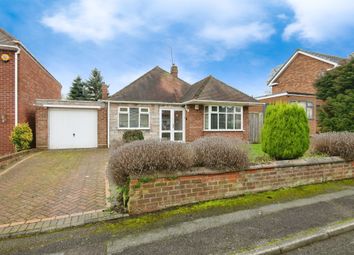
222,108
237,121
206,121
123,120
144,120
214,108
166,136
133,117
230,121
230,109
178,136
123,109
222,121
206,109
309,112
166,120
237,108
214,121
144,110
178,120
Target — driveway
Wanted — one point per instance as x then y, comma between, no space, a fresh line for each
53,183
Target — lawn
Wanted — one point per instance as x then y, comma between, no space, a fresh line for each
256,154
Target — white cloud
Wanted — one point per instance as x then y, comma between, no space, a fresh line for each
232,23
320,20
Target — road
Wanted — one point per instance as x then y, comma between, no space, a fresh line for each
217,234
339,245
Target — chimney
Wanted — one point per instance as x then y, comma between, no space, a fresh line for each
104,91
174,70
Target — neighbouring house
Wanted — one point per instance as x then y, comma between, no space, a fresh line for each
294,81
158,103
22,80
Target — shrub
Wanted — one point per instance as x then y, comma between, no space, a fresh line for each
21,137
334,144
220,153
132,135
142,158
285,134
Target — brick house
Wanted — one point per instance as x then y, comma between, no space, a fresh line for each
165,107
22,80
294,82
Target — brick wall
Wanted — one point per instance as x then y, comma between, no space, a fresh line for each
165,192
300,75
34,83
41,127
195,125
102,127
7,101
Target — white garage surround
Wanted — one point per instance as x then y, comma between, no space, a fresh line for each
72,128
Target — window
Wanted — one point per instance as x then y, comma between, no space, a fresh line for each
223,118
308,107
133,117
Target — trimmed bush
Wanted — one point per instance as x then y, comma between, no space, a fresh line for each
334,144
285,133
220,153
132,135
21,137
144,158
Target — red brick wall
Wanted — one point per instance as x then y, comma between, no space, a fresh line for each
34,83
195,125
165,192
7,101
102,127
41,127
300,75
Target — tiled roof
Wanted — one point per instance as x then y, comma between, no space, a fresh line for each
157,85
6,38
212,89
334,59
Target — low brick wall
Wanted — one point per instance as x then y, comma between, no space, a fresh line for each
203,184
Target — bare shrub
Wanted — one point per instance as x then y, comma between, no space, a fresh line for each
142,158
334,144
220,153
113,145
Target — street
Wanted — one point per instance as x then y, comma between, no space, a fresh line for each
216,234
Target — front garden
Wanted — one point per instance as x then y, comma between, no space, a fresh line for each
153,174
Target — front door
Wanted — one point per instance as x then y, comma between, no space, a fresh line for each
172,125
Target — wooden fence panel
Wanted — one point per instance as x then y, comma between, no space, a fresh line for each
255,126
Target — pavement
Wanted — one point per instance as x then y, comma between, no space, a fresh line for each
229,233
52,184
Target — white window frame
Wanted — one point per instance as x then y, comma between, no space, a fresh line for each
226,113
307,103
128,113
172,131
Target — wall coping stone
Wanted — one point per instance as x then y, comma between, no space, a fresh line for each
275,164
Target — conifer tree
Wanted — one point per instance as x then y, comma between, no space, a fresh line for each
77,90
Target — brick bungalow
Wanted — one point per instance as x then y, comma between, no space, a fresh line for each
294,80
22,80
165,107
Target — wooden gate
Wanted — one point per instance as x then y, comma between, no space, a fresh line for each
255,126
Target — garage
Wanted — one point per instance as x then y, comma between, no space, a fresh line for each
72,128
63,124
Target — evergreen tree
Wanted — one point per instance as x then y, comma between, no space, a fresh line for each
94,85
336,88
77,90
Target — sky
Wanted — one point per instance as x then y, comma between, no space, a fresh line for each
236,41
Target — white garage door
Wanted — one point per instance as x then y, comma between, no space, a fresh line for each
72,128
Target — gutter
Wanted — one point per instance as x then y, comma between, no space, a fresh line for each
10,47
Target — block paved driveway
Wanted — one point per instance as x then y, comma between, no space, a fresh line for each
53,183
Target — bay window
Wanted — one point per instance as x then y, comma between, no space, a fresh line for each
223,118
133,118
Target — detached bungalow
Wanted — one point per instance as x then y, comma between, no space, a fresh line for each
164,106
159,103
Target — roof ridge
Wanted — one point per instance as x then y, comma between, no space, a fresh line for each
203,82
